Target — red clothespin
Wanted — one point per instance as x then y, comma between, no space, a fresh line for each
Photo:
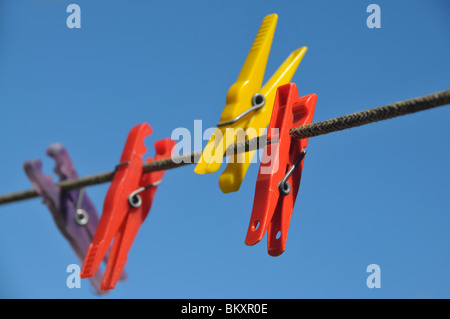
280,171
127,203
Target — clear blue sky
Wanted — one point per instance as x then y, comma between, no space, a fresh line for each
375,194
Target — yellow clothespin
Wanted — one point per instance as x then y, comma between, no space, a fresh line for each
248,108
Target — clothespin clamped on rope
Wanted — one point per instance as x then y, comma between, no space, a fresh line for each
280,171
127,203
73,211
248,108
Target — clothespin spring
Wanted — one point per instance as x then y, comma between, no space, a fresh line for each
135,200
284,186
258,101
81,215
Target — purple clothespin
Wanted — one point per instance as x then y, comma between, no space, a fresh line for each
73,212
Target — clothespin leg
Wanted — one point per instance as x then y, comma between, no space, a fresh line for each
119,254
279,226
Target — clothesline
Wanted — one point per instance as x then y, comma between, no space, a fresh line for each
315,129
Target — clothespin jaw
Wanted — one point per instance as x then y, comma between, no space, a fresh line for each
115,208
135,217
248,108
64,167
280,171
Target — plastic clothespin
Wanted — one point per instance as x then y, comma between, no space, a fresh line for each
280,171
73,212
248,107
127,203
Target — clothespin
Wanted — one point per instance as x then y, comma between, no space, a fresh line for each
73,212
280,170
248,108
127,203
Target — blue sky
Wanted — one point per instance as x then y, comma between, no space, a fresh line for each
377,194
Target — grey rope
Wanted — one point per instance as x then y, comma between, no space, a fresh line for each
373,115
315,129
